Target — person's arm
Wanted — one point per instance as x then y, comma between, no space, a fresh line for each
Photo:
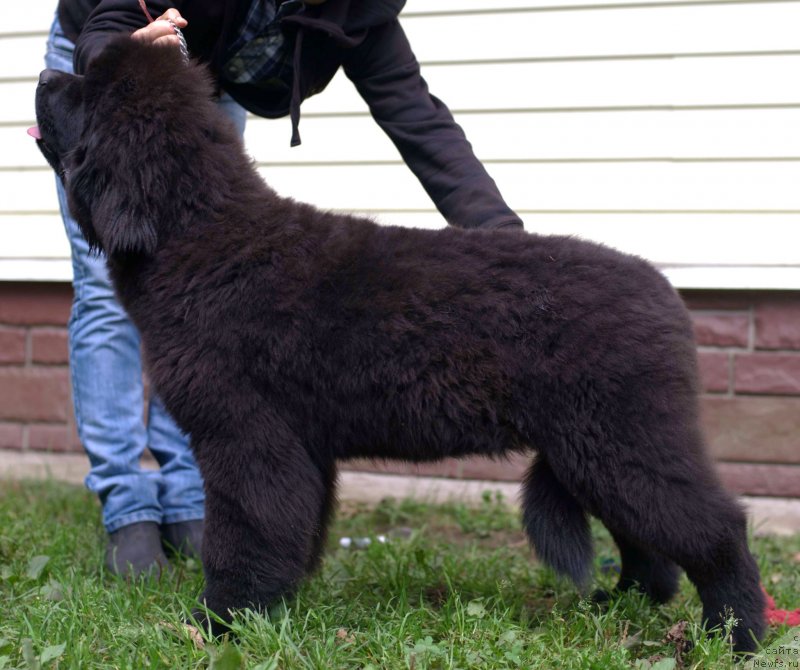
112,17
387,75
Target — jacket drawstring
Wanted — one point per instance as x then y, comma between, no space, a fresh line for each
294,104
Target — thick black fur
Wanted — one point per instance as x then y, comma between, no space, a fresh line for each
284,338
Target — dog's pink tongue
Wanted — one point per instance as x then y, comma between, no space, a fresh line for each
34,132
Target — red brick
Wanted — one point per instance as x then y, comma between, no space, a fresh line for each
715,371
778,323
12,346
34,394
50,346
718,300
765,429
11,436
74,443
35,303
721,330
767,373
50,437
761,480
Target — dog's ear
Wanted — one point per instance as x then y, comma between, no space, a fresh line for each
115,214
122,182
111,215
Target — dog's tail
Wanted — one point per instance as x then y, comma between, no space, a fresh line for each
556,524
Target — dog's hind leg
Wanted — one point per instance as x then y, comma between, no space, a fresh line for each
666,499
647,571
263,518
556,524
699,527
558,529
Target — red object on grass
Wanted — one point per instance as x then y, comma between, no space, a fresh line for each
776,617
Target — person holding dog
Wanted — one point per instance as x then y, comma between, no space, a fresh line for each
267,57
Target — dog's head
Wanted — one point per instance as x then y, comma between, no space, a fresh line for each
125,138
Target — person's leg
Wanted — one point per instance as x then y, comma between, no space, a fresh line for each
234,110
108,399
108,393
107,389
181,494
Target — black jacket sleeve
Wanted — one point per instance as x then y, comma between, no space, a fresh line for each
109,18
387,75
209,23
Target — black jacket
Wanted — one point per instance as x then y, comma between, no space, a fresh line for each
362,36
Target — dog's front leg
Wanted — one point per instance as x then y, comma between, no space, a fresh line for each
266,506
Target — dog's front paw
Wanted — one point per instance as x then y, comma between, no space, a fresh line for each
208,623
602,597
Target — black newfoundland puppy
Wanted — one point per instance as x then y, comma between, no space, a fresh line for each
283,338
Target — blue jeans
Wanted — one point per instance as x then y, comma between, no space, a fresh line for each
107,385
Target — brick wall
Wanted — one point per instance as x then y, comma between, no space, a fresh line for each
749,355
35,402
748,348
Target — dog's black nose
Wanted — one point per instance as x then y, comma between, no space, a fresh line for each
46,76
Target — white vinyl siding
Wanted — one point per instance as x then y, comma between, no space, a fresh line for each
667,129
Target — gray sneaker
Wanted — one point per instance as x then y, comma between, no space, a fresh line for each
184,538
135,550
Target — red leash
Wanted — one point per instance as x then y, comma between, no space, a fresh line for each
150,19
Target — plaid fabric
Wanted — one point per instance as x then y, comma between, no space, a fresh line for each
261,53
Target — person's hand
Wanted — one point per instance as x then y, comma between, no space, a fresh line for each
160,31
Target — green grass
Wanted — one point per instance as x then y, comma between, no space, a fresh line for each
452,588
